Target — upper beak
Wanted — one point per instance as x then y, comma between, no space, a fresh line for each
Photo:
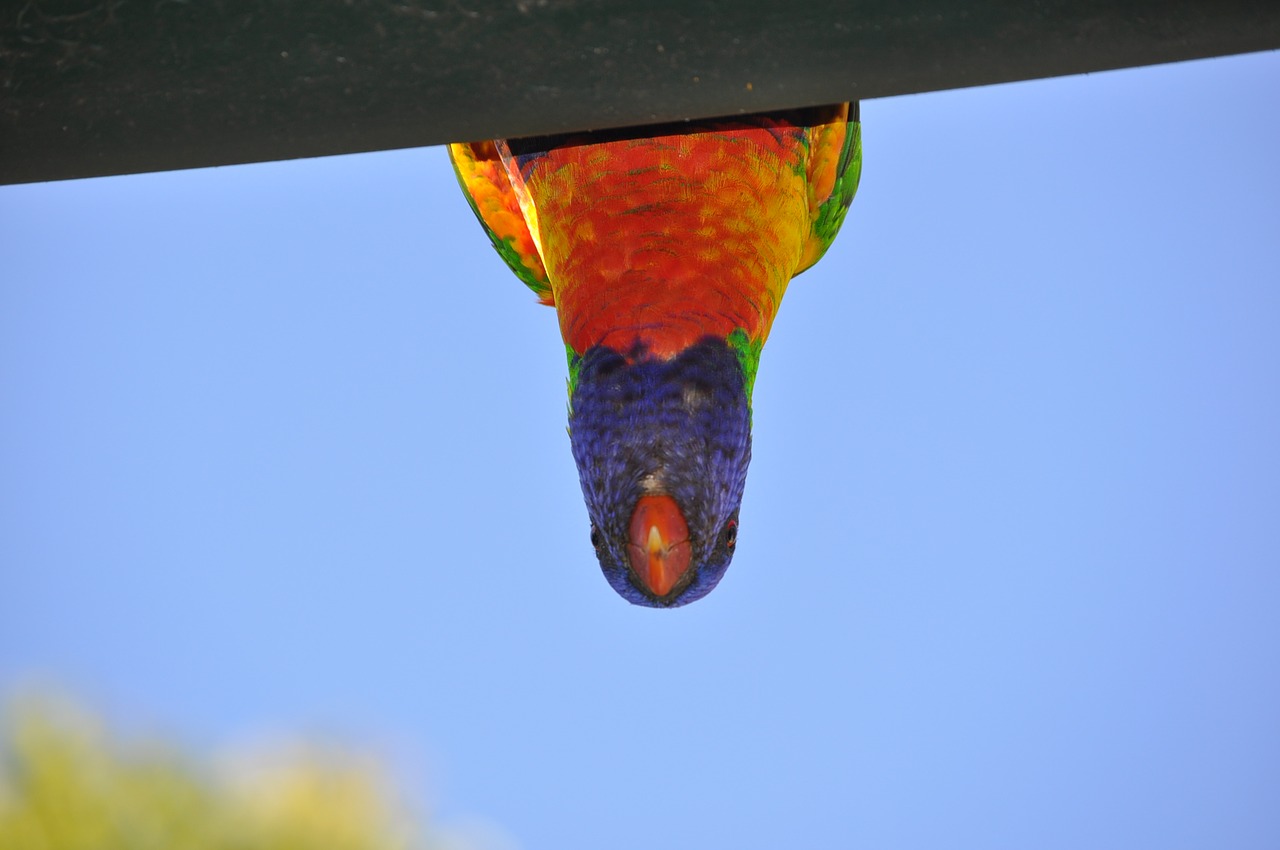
659,549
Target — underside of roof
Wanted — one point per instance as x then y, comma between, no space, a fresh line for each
97,88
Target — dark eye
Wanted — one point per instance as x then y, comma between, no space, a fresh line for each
597,539
730,534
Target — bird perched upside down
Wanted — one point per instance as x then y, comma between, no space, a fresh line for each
666,251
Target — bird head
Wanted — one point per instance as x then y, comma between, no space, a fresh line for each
662,447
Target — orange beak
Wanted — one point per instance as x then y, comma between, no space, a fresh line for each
659,550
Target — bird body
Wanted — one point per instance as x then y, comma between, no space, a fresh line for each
666,251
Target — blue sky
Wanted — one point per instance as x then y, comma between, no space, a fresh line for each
282,451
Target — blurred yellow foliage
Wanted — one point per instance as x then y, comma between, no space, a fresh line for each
64,785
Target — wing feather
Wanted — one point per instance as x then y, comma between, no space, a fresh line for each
835,166
487,186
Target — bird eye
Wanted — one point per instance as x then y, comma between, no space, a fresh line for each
597,539
730,533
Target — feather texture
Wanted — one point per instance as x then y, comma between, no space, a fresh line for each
666,251
660,235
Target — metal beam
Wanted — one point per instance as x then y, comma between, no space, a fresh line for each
95,88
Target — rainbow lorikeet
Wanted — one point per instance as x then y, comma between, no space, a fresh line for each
666,251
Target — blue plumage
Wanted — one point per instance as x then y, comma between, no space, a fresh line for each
681,427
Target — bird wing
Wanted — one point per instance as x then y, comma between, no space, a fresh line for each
484,180
835,165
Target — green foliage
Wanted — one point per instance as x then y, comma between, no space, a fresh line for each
65,786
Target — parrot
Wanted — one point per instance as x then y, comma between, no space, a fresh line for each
665,250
